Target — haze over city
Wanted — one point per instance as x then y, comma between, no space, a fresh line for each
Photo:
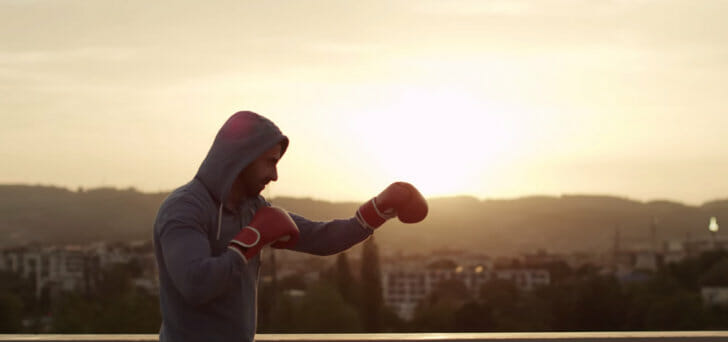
492,99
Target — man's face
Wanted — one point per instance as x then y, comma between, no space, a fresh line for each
259,173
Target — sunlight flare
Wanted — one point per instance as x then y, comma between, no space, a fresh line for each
444,141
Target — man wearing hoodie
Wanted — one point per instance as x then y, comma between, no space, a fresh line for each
209,232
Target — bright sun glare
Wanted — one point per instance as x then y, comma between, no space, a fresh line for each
445,142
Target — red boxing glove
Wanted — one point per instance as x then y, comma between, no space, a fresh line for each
400,199
269,225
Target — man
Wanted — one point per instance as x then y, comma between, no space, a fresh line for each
209,232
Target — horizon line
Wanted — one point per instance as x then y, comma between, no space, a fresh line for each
461,195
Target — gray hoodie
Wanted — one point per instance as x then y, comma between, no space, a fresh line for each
207,292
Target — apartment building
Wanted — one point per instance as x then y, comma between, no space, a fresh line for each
407,282
76,268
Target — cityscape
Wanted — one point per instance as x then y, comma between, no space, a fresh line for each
407,280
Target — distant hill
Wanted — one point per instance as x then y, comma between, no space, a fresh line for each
567,223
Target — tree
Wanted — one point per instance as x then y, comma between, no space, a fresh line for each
17,301
598,304
372,299
282,317
716,275
324,310
344,280
501,299
115,307
320,309
11,313
473,316
680,311
73,313
437,311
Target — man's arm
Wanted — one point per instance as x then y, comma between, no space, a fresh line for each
401,200
327,238
196,274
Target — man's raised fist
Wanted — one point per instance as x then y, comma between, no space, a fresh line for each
400,199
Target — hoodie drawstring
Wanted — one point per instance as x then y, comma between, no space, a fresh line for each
219,221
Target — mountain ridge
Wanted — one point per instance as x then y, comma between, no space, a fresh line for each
566,223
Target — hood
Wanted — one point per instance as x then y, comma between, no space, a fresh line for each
243,137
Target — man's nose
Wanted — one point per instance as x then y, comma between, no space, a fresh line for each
274,175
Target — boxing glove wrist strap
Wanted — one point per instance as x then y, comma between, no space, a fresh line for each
247,238
371,217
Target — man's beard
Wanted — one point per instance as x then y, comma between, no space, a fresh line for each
259,188
267,192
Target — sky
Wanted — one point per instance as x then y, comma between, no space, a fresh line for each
487,98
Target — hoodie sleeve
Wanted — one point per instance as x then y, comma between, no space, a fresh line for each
327,238
196,274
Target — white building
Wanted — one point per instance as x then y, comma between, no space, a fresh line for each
407,282
525,279
76,268
61,268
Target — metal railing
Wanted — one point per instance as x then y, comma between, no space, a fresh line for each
655,336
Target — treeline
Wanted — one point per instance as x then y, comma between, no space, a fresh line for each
338,302
581,299
347,300
112,305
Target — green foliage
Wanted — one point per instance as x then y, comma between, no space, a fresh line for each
584,300
344,280
577,300
372,304
114,306
282,316
473,316
689,272
334,304
502,300
11,313
323,310
679,311
320,310
435,312
132,312
716,275
17,302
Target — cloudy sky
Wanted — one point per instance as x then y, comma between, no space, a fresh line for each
495,99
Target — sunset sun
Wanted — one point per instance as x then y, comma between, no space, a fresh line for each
437,139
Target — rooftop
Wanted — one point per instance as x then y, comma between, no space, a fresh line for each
661,336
